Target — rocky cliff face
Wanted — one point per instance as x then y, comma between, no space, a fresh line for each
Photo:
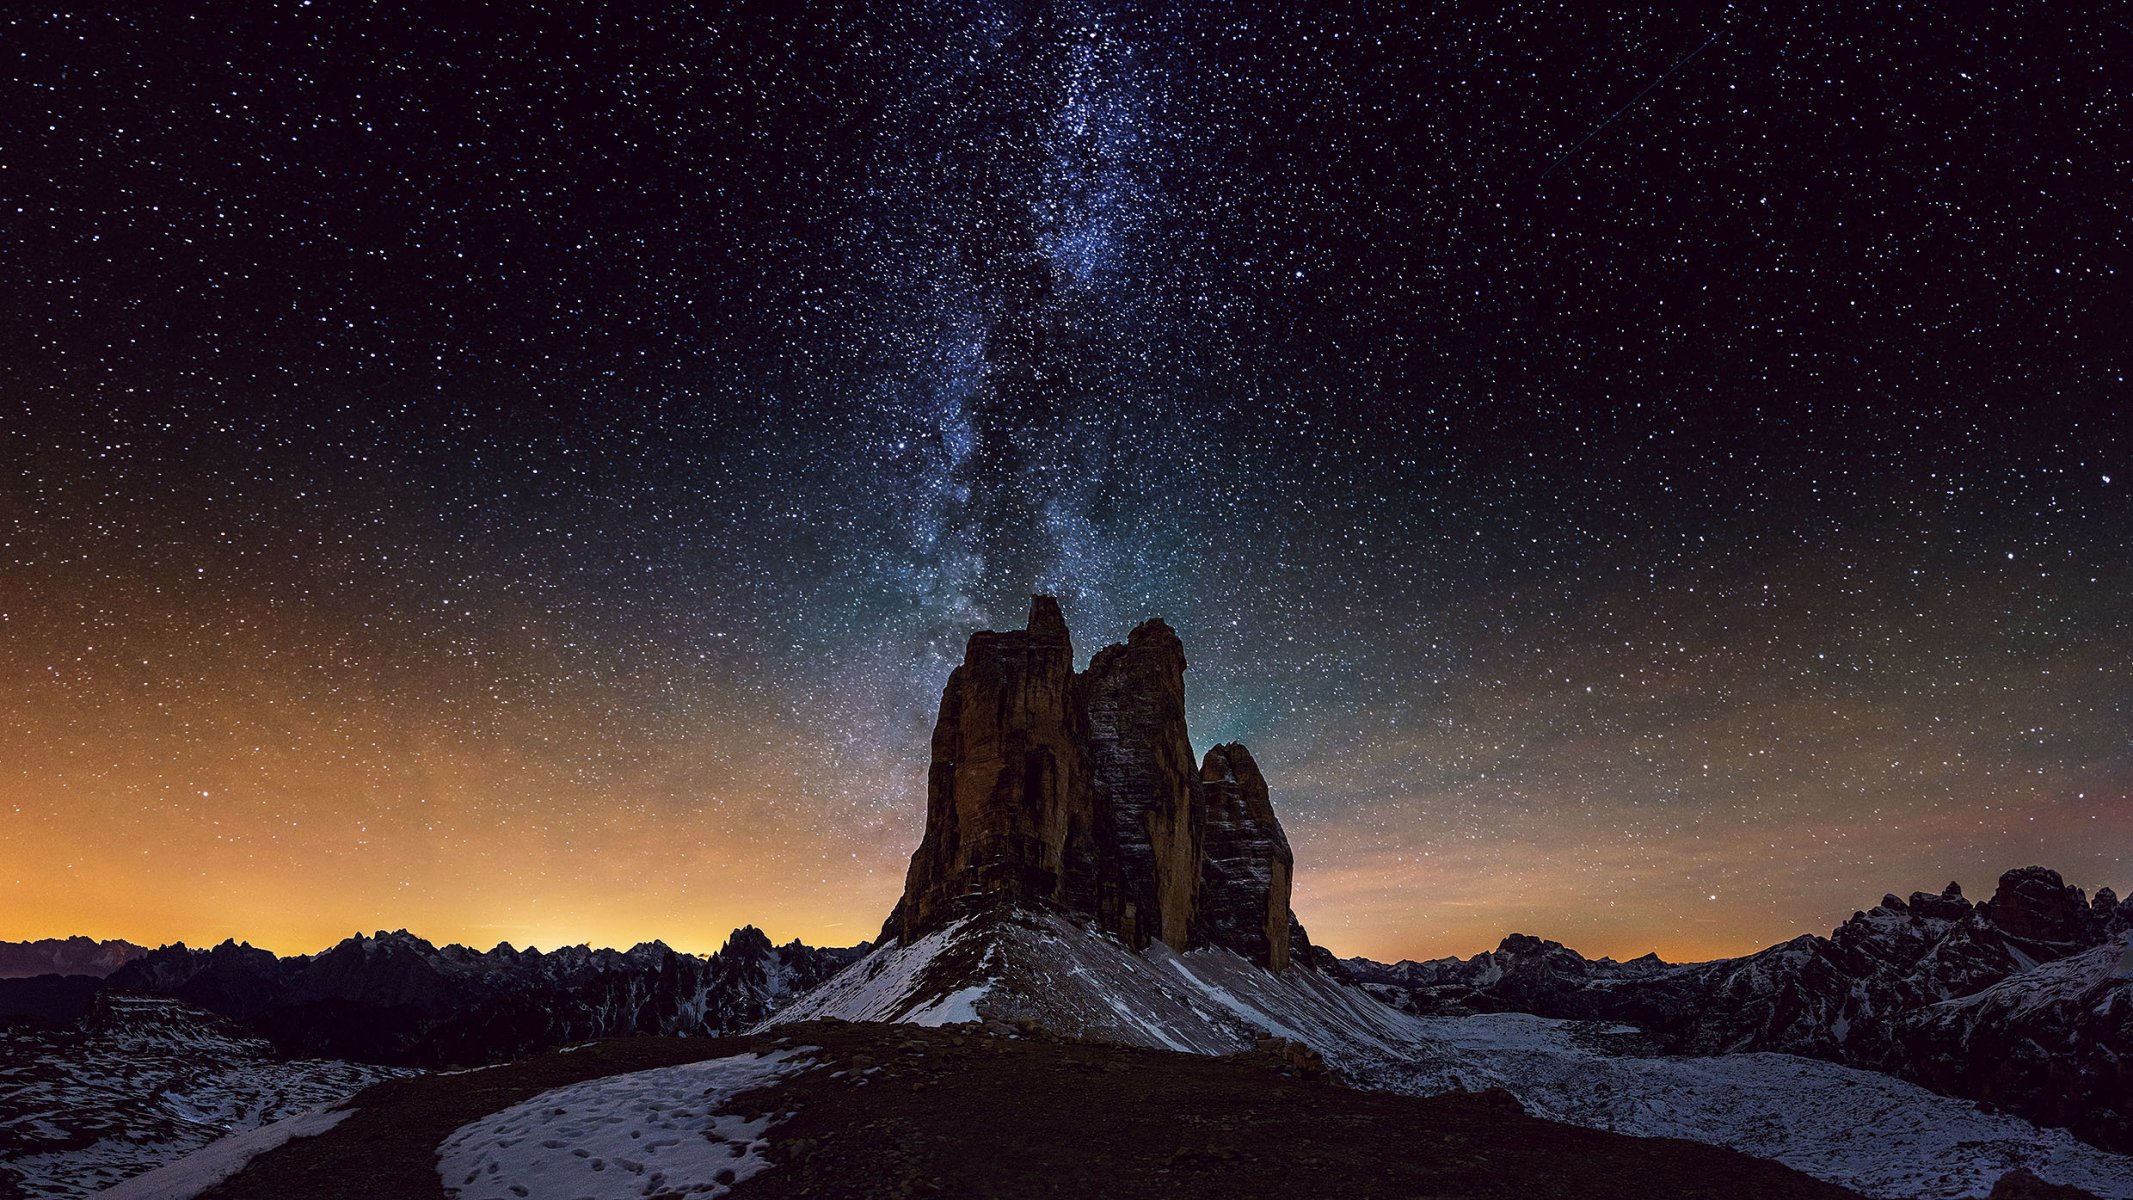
1145,787
1008,806
1080,791
1247,867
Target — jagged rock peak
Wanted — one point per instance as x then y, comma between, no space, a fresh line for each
1008,806
1081,791
746,940
2035,903
1045,619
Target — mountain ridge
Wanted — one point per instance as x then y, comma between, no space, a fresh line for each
1906,987
76,955
398,999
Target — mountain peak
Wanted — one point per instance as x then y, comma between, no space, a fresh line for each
1045,619
1080,790
2036,904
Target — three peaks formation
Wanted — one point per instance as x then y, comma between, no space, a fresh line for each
1078,791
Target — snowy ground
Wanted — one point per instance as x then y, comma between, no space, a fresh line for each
1867,1131
218,1160
647,1133
146,1081
1870,1132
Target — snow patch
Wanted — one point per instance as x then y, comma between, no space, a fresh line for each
955,1008
218,1160
646,1133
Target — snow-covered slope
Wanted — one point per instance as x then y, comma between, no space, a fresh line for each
1016,964
2002,1002
1864,1130
1871,1132
215,1162
143,1080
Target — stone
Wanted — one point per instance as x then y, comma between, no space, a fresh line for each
1248,866
1146,787
1008,786
2036,904
1080,791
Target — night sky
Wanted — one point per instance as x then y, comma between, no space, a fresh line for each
1655,480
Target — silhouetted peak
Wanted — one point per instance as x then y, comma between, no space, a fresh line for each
2035,903
1045,619
747,940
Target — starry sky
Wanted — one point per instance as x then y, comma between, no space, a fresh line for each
1655,479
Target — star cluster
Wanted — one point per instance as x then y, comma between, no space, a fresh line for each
1647,478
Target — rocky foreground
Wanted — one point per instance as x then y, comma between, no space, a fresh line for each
139,1081
897,1111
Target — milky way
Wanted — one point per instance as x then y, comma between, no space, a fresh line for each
528,477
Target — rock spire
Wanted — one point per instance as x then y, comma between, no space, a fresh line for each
1080,790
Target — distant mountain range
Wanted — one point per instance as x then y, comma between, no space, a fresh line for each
65,956
395,998
2023,1001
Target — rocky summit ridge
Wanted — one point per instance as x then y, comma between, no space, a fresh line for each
1079,790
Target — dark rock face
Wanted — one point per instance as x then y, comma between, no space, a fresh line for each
395,998
234,979
1948,906
1008,804
2054,1043
2024,1001
2034,903
52,999
1080,791
1245,875
1145,786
